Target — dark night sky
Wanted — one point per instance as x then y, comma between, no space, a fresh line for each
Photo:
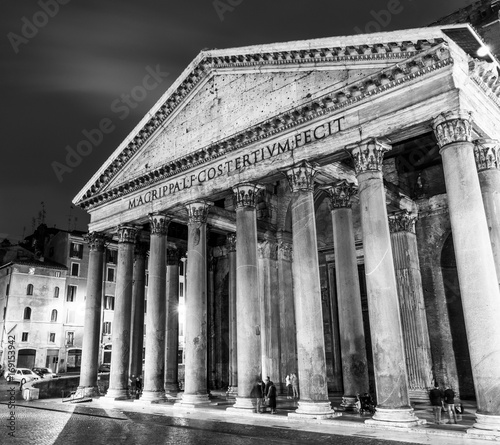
63,77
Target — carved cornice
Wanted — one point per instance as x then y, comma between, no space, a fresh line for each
158,223
487,154
340,194
96,241
453,126
402,222
285,251
127,233
245,195
268,250
414,60
301,177
485,75
231,242
368,155
198,211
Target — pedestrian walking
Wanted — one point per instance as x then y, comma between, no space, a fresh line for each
295,385
288,383
449,403
436,399
271,396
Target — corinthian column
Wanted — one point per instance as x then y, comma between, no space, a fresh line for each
352,336
487,152
247,296
233,344
90,347
475,265
195,377
154,360
311,358
269,310
137,315
172,335
118,377
393,402
411,304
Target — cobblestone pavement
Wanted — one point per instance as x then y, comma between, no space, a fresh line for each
46,427
51,421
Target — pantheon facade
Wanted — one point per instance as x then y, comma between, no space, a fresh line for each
337,201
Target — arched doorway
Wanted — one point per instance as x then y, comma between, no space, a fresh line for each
456,317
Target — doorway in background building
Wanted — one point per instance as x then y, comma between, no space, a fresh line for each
26,358
74,360
52,360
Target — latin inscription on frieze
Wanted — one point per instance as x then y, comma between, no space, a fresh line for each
229,166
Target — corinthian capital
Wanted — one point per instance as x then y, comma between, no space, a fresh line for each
96,241
245,195
402,222
340,194
127,233
268,249
301,177
198,211
453,126
368,155
487,152
159,223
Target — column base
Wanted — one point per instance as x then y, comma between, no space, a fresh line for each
349,403
192,401
87,391
486,427
243,404
398,417
232,392
313,410
151,397
116,394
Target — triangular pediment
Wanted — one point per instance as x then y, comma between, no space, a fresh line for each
227,97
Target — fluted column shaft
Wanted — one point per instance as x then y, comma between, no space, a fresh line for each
154,360
411,302
233,344
311,359
172,328
137,315
352,336
475,263
118,378
247,295
487,154
93,303
195,377
393,402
